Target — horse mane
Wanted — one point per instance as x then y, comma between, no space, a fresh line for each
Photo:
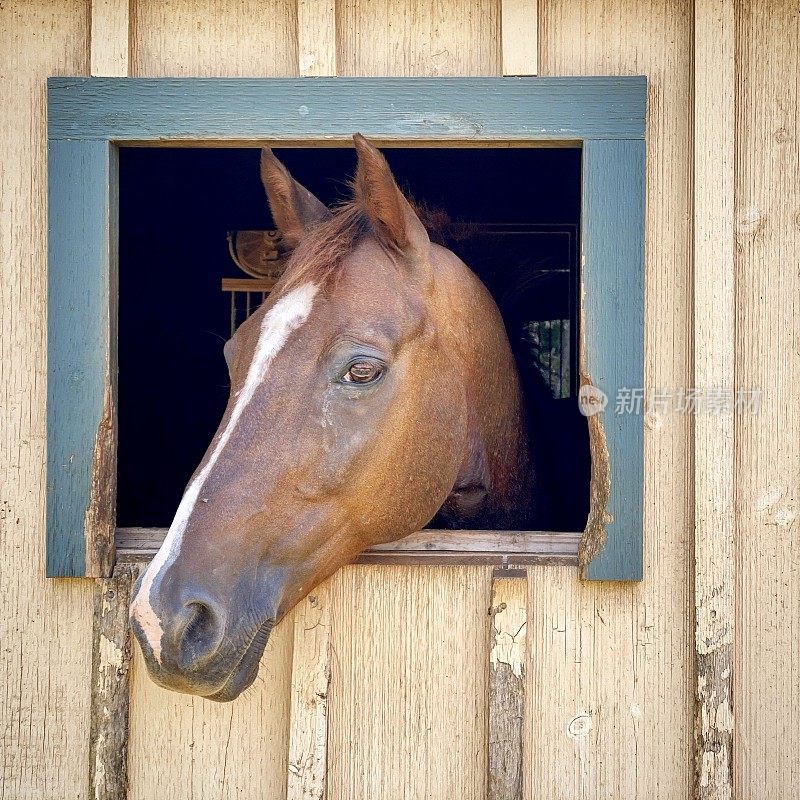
320,252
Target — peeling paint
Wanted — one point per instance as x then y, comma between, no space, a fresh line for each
508,640
595,534
99,519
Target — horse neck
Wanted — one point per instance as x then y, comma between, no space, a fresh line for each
497,446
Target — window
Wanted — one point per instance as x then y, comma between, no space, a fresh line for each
175,202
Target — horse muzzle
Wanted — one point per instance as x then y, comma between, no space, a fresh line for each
189,645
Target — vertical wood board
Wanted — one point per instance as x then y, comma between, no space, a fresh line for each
111,660
612,687
508,664
207,38
767,357
109,37
316,37
714,342
520,37
311,677
418,38
45,626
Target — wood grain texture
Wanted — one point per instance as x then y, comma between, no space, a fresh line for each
714,367
316,37
611,663
109,37
212,750
111,660
520,37
409,682
423,547
45,626
206,38
80,412
332,109
416,37
612,357
767,677
508,656
311,677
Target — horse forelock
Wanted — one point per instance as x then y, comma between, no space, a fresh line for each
322,250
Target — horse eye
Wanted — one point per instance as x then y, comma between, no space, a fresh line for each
362,372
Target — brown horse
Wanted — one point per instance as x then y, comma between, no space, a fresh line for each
373,391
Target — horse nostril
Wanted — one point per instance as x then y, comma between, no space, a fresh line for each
200,634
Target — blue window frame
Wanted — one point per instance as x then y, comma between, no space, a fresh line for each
90,118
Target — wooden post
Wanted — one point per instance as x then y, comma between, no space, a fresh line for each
316,37
507,657
109,38
520,37
111,659
714,343
311,675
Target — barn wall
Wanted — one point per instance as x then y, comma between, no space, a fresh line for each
610,686
767,677
621,654
45,626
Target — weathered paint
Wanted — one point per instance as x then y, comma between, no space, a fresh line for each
155,110
79,334
613,358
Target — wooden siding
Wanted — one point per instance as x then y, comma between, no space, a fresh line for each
609,688
610,680
767,666
45,625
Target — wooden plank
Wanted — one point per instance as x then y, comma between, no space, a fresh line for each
111,659
80,406
247,284
427,546
507,667
609,711
477,109
212,750
45,626
415,37
714,343
612,354
409,683
202,38
767,358
311,677
316,37
520,37
109,37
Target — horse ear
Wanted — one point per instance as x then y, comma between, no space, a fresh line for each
377,194
294,209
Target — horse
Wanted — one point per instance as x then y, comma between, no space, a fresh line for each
374,391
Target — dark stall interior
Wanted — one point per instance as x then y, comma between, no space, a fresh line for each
512,214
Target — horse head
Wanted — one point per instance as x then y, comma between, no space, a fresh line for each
374,389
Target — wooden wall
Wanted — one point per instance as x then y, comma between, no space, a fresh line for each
767,677
45,626
611,668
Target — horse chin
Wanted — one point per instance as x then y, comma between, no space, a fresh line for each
246,671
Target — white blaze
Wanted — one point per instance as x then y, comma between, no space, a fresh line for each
285,316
